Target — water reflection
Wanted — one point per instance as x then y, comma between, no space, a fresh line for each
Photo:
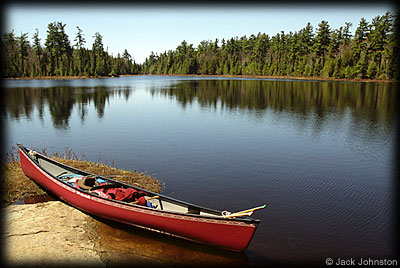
20,102
375,102
123,244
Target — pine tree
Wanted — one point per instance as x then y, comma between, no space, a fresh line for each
37,48
10,55
57,44
100,62
322,40
23,45
80,41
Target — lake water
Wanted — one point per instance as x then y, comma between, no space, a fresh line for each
319,154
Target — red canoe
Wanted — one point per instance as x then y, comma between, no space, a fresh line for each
164,214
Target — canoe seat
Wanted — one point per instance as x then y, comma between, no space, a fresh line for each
170,206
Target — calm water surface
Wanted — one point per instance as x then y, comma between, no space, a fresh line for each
319,154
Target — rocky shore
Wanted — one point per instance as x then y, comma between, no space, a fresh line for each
48,233
54,233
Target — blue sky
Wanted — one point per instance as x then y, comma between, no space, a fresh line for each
144,28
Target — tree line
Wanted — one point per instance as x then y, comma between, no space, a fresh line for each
371,53
58,57
325,52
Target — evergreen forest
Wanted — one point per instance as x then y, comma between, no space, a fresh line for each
21,58
369,53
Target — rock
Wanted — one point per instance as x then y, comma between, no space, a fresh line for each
48,233
53,233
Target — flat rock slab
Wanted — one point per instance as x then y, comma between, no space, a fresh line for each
53,233
48,233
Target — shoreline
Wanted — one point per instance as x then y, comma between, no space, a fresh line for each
63,77
307,78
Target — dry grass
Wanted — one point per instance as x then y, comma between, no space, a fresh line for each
17,185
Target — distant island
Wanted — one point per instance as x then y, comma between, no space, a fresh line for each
324,53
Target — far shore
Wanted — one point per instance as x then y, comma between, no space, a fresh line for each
309,78
58,77
278,77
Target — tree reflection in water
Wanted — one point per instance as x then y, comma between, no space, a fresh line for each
60,101
375,102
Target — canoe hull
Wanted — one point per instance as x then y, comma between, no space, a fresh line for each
225,233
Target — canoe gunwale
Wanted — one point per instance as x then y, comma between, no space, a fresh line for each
246,220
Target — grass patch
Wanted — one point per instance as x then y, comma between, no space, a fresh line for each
18,186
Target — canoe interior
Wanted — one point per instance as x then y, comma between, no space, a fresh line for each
162,203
